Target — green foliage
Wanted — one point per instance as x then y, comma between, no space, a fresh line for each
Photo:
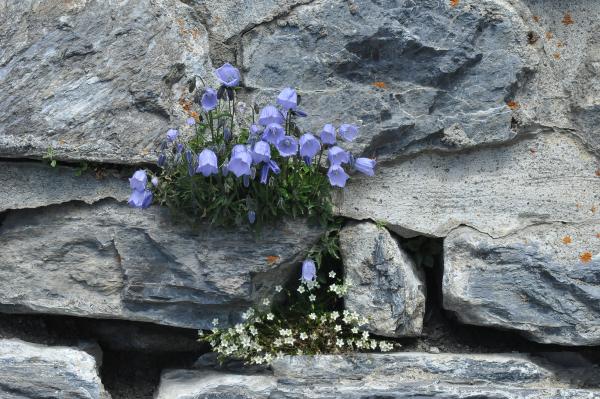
49,157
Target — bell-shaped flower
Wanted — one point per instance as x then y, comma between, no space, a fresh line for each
240,161
162,158
309,271
261,152
328,134
228,75
251,217
273,133
337,176
255,129
309,146
172,135
288,99
209,99
140,199
337,156
207,163
287,146
139,180
365,165
270,114
267,167
348,132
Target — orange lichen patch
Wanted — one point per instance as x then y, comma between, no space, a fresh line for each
593,208
585,257
271,260
549,35
568,19
560,45
62,142
598,172
556,56
454,3
195,115
186,105
536,18
379,85
567,240
597,235
578,205
513,105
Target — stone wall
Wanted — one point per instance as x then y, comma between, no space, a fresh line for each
484,116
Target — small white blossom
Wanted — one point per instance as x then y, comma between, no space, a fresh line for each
332,274
312,316
365,335
301,289
270,316
278,288
385,346
354,330
303,336
334,315
339,342
215,322
312,297
266,301
289,341
337,328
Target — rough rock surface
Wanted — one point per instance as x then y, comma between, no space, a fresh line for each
37,371
111,261
385,284
400,375
32,185
543,281
497,190
95,82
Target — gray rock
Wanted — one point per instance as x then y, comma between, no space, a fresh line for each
37,371
398,375
543,281
439,67
32,185
496,190
94,82
112,261
385,284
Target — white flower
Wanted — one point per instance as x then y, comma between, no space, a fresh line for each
303,336
365,335
312,316
332,274
239,328
215,322
270,316
312,298
334,315
266,301
278,288
339,342
337,328
373,344
385,346
200,333
299,353
285,332
278,342
289,341
301,289
354,330
253,330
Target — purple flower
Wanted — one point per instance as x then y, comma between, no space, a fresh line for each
139,180
309,270
261,152
255,129
273,133
140,199
270,114
337,176
338,156
287,146
190,121
268,166
251,217
154,181
240,161
172,135
207,163
179,148
348,132
309,146
209,100
328,134
288,99
365,165
228,75
162,158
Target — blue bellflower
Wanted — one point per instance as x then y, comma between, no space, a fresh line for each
172,135
207,163
287,146
337,176
309,270
251,217
288,99
261,152
140,199
270,166
139,180
240,161
365,165
228,75
270,114
309,146
273,133
209,100
338,156
328,134
348,132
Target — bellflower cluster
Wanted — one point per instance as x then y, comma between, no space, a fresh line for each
227,165
141,196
